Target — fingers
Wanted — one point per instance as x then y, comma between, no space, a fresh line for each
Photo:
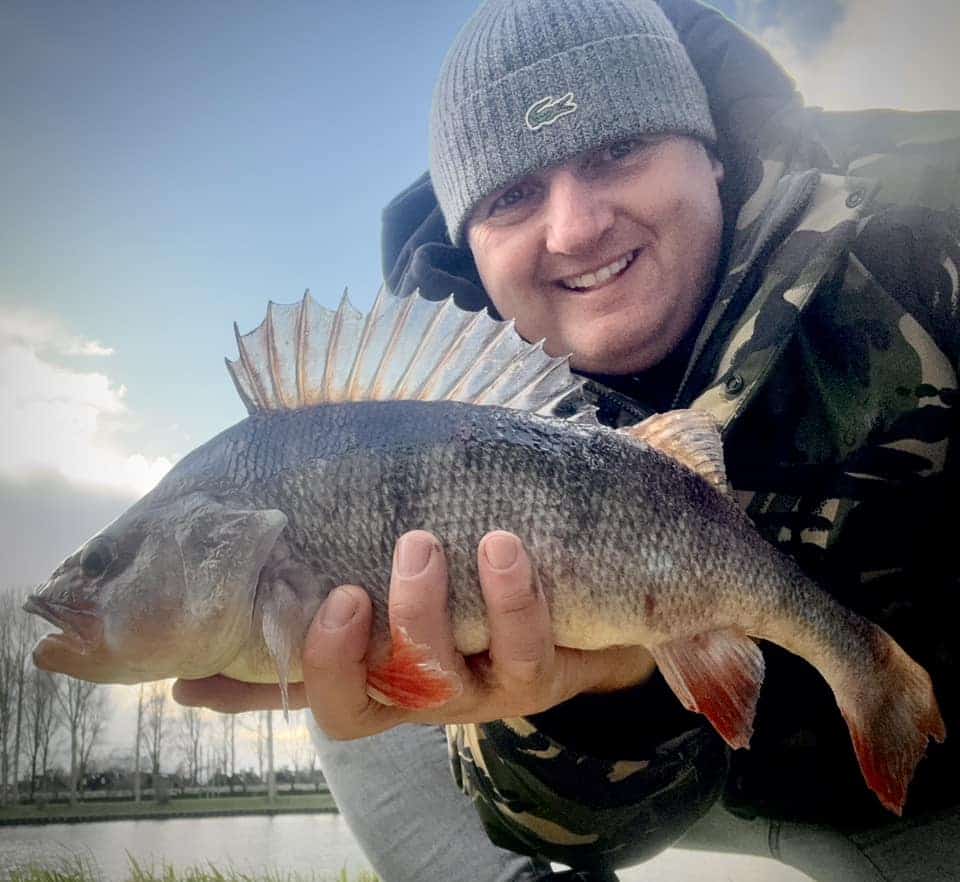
335,666
521,637
523,672
527,672
339,656
418,596
339,661
230,696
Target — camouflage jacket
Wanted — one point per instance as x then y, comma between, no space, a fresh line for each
830,358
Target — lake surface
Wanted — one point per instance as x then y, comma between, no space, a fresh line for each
307,844
318,843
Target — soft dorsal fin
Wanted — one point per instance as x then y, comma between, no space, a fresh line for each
406,348
691,437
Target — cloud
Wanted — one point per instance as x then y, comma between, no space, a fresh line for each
806,25
60,419
45,333
45,517
880,53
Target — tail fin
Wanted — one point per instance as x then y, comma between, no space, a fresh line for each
891,713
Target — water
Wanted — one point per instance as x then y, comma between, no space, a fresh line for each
313,845
307,844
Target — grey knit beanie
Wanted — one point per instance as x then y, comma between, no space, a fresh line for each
531,83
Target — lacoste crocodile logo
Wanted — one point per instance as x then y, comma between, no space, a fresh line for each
547,111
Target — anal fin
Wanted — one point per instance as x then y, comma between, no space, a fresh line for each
411,677
718,674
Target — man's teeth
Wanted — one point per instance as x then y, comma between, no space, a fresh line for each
590,280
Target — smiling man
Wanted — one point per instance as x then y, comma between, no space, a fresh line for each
609,256
639,184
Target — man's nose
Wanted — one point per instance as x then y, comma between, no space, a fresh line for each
577,214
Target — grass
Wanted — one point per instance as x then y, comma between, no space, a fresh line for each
175,808
78,869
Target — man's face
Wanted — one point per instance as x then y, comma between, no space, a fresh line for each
609,256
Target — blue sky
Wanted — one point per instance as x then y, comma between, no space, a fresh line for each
172,166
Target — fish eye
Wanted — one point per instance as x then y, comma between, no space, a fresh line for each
97,555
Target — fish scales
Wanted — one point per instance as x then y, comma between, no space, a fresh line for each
222,566
378,469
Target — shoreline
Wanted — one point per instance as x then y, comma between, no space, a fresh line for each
189,807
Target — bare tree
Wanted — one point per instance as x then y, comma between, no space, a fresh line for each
82,708
227,752
8,693
27,632
191,736
261,742
316,773
17,633
40,723
301,752
233,749
271,777
93,720
156,719
137,740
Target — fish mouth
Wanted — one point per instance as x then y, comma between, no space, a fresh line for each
81,626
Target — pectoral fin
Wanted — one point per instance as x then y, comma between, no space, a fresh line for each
283,628
718,674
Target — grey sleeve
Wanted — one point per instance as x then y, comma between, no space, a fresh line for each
398,797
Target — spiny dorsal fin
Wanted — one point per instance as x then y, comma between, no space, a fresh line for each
408,348
691,437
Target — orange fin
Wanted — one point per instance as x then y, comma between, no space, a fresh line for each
411,677
690,437
891,717
718,674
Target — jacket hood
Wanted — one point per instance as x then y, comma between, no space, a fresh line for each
755,109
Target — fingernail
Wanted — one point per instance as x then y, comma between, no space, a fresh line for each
413,554
501,550
338,609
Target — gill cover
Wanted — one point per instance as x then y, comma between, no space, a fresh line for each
222,548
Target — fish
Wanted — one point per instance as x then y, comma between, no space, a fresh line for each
423,416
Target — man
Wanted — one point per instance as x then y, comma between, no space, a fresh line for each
642,187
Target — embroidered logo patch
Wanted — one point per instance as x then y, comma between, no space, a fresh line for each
547,111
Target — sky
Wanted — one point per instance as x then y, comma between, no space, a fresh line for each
166,169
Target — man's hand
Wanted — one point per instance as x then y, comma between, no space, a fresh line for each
522,673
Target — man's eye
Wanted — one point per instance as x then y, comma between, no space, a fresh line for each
510,198
608,159
621,149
